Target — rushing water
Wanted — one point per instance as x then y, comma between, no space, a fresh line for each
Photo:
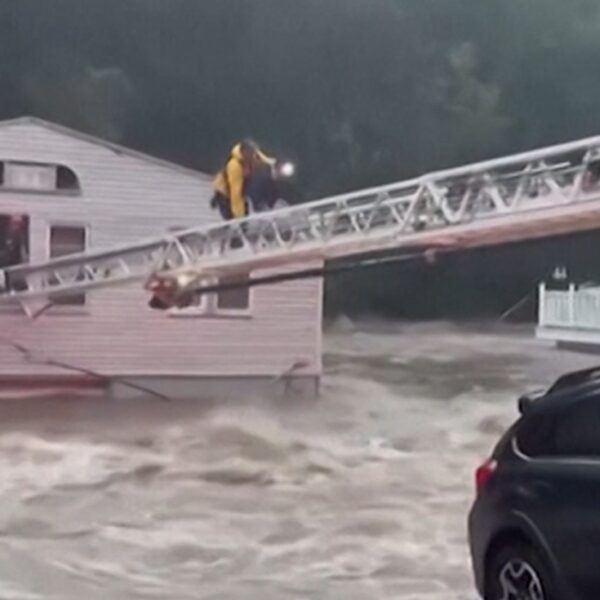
361,494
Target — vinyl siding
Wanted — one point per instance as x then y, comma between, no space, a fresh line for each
126,198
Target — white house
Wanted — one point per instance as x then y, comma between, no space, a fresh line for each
78,192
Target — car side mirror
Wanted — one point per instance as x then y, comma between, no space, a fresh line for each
524,404
526,401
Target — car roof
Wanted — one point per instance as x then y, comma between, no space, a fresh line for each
569,388
575,378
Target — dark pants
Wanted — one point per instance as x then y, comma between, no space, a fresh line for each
223,205
259,189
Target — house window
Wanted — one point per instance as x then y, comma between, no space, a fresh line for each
38,177
14,240
65,240
233,302
28,176
66,179
235,299
14,247
198,306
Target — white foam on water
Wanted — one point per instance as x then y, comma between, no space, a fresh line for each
363,494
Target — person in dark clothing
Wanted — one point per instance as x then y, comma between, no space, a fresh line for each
232,182
261,189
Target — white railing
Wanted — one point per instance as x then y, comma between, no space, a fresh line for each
573,308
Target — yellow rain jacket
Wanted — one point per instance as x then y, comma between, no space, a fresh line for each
230,180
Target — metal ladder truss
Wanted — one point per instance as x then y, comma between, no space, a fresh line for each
535,180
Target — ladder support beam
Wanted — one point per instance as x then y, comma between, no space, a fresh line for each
368,220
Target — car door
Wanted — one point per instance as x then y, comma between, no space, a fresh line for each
566,482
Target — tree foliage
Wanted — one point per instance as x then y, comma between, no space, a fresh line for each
359,92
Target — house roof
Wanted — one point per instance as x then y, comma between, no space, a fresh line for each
116,148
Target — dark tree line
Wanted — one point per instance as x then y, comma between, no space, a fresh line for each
358,92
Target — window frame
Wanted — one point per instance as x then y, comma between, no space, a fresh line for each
196,310
209,303
54,191
237,312
8,164
209,309
69,191
68,309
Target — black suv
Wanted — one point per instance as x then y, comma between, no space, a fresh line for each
534,528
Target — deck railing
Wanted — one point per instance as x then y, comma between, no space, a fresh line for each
574,308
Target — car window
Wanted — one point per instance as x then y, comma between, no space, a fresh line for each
536,437
578,430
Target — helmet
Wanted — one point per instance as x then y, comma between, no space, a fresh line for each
248,145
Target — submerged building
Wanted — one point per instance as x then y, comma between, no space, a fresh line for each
61,192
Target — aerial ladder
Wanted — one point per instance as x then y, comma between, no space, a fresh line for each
545,192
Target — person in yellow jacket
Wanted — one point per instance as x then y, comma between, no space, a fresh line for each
231,182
